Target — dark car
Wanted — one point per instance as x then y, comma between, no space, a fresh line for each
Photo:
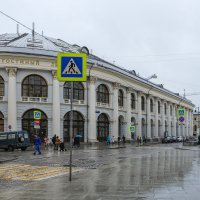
14,140
166,139
174,139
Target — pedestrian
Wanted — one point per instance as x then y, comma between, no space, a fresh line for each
57,143
54,141
118,140
140,140
46,141
113,139
62,146
37,145
123,139
78,140
108,139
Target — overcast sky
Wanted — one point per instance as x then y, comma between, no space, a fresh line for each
149,36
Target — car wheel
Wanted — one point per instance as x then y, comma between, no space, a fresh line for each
10,148
23,148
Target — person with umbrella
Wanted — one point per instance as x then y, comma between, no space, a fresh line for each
78,136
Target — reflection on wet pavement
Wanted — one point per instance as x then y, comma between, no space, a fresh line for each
134,173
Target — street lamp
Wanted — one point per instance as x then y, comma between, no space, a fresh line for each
152,76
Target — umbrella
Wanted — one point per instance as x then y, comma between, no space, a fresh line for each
78,135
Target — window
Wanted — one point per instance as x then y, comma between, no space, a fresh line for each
120,98
78,91
142,103
151,105
158,107
1,86
171,110
1,122
165,107
102,94
133,101
11,136
34,86
3,136
133,120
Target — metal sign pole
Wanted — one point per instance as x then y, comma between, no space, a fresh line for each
71,131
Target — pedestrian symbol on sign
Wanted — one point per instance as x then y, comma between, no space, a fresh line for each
71,68
37,114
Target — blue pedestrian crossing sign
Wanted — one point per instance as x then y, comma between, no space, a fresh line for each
37,114
71,67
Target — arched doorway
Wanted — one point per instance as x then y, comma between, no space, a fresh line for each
78,126
28,124
102,127
152,129
1,122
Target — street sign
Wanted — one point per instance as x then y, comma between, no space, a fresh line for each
71,67
36,126
132,129
181,113
181,119
37,114
37,122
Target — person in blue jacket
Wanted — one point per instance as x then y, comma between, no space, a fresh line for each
37,144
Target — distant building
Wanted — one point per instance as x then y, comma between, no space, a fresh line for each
108,103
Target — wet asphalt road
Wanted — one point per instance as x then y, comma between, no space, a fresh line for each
150,172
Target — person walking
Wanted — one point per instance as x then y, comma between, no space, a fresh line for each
54,141
57,143
123,139
46,141
37,145
138,141
108,139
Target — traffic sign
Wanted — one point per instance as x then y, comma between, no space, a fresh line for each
71,67
132,129
181,112
37,114
37,122
36,126
181,119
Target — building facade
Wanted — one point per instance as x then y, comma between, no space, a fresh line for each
108,103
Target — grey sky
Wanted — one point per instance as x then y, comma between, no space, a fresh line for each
149,36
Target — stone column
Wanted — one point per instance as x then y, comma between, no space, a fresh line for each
162,119
169,119
156,119
92,126
139,125
56,106
12,105
128,112
174,120
186,123
115,130
191,122
148,118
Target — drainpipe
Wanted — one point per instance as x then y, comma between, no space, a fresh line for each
88,97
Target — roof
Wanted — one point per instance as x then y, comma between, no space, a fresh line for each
46,46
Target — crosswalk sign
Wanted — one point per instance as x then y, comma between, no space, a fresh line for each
71,67
37,114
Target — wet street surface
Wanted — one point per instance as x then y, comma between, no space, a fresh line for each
154,172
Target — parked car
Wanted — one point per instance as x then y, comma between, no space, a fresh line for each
174,139
14,140
179,139
166,139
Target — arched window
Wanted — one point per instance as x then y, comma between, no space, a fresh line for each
1,122
142,103
151,105
195,127
120,98
102,127
102,94
27,124
158,107
34,86
165,107
133,120
78,91
1,87
133,101
78,126
170,110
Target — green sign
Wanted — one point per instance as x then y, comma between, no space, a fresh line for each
132,129
181,112
71,67
37,114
